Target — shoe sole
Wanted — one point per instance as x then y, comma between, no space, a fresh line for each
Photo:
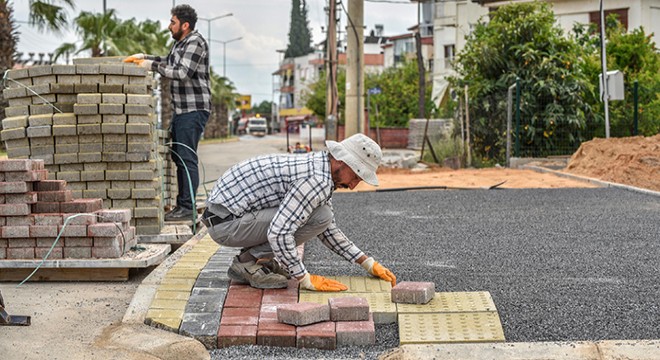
232,274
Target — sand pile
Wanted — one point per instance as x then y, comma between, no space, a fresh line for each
633,161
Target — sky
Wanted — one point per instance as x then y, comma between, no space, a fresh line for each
262,25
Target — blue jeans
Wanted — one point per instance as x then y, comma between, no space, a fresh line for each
187,129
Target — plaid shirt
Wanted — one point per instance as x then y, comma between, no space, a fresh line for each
187,65
296,185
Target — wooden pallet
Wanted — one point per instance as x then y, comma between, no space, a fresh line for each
85,269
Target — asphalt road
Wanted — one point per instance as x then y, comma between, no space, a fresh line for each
561,264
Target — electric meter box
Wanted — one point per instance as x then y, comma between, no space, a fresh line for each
615,86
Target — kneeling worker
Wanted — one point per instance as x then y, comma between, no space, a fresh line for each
270,204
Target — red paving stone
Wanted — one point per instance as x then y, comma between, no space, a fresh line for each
317,336
240,316
411,292
303,313
350,308
233,335
274,333
356,333
243,296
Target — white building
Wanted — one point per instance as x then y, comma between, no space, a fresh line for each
455,19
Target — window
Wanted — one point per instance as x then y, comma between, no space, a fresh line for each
622,15
449,56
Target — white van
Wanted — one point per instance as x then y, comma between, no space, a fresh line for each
257,126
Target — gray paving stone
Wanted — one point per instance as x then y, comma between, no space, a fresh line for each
203,327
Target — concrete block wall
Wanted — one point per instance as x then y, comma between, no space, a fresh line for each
103,140
438,129
34,210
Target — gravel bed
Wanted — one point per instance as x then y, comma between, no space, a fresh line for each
561,264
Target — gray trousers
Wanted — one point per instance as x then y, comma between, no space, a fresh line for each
250,232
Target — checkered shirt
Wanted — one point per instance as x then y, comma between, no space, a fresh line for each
296,185
187,65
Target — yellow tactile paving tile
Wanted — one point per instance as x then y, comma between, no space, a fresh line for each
450,328
173,286
182,273
172,295
155,314
169,324
380,303
172,304
190,264
361,284
452,302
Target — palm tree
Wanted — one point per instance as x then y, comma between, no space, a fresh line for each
48,15
8,39
223,95
95,31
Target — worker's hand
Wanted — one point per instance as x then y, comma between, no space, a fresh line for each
374,268
134,58
319,283
144,63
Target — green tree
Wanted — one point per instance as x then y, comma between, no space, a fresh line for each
96,32
264,108
223,95
634,54
300,37
523,41
49,15
394,106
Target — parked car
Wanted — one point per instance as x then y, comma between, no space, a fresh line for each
242,126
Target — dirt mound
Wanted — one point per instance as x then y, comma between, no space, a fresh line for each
633,161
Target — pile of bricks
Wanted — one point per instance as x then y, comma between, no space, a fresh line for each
33,211
104,142
273,317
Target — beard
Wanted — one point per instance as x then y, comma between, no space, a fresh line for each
177,35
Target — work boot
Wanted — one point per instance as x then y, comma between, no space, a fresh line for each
179,214
274,266
258,276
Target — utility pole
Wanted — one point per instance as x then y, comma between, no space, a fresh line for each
603,58
332,93
354,70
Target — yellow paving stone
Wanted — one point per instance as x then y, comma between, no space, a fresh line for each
182,273
361,284
452,302
164,314
191,265
175,287
171,280
172,295
168,304
450,328
380,304
169,324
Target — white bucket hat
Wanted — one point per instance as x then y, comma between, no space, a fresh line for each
360,153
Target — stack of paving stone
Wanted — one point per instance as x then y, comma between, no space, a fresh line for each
99,134
33,211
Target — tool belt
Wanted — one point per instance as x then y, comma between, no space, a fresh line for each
210,219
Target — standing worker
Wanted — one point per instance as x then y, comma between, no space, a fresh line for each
270,204
187,65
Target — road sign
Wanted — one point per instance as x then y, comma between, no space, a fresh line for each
375,91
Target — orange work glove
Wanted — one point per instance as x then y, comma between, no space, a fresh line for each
319,283
134,58
144,63
374,268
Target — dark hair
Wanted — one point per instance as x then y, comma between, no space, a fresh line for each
185,14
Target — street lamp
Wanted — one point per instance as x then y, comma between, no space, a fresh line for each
224,51
208,22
